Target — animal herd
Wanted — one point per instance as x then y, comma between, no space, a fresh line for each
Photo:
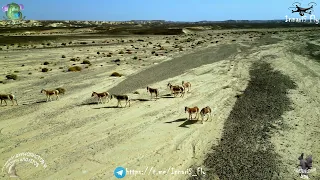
106,96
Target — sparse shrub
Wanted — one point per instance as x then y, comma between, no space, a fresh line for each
83,43
98,52
63,44
86,62
75,68
48,44
46,63
116,74
60,67
45,70
12,76
162,48
135,57
16,71
121,52
63,56
167,41
73,59
156,54
70,42
61,90
140,40
153,52
30,73
116,60
108,55
93,42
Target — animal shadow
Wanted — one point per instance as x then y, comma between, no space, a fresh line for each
185,121
188,122
88,103
167,96
178,120
113,107
37,102
141,99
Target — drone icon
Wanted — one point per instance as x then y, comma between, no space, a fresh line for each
301,10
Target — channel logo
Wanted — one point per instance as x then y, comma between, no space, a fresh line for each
120,172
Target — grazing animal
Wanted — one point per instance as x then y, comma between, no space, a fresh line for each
50,93
11,97
186,85
194,110
100,96
61,90
205,111
176,90
121,98
153,91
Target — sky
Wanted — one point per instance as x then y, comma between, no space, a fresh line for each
170,10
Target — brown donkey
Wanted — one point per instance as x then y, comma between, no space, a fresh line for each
194,110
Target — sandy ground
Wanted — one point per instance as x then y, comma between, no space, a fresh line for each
79,139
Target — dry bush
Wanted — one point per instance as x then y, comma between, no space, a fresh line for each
116,74
86,62
74,68
63,56
61,90
45,70
121,52
108,55
12,76
46,63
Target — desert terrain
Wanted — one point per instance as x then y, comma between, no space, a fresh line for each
261,83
